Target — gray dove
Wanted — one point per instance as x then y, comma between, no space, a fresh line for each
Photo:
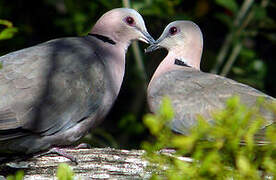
192,91
53,93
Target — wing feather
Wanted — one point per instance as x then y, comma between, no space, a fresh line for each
195,92
49,87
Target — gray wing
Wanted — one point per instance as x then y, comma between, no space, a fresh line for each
49,87
195,92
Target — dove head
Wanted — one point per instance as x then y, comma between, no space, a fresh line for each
184,42
122,25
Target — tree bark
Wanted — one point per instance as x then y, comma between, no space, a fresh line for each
96,163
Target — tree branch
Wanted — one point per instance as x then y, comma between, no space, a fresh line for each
92,163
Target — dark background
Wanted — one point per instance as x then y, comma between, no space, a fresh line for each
254,34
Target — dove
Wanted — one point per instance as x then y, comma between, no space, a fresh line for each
191,91
53,93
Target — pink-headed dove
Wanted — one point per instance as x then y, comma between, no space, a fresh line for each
53,93
192,91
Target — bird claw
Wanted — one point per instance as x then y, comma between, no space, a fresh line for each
60,152
83,146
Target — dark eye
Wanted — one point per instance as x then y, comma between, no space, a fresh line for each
130,21
173,30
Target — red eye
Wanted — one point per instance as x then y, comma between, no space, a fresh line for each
130,21
173,30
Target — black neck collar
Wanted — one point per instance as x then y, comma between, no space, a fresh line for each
181,63
105,39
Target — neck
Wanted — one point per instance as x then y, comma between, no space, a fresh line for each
190,56
105,39
109,38
103,30
116,57
177,61
114,53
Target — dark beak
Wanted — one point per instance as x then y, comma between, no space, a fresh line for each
152,47
147,37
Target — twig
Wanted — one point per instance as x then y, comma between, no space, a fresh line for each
236,50
231,60
171,153
229,38
126,3
139,98
222,53
246,5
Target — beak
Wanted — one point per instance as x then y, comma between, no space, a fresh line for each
147,38
152,47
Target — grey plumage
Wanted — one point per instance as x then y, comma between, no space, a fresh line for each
53,93
193,93
45,90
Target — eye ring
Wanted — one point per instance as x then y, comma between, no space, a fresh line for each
173,30
130,21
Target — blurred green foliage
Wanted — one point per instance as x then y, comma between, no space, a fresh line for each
8,31
64,172
226,149
230,5
254,30
19,175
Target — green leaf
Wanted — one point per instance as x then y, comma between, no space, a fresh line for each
65,172
130,125
184,142
233,102
166,109
258,65
248,53
7,33
152,123
243,165
227,20
6,23
260,13
228,4
18,176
